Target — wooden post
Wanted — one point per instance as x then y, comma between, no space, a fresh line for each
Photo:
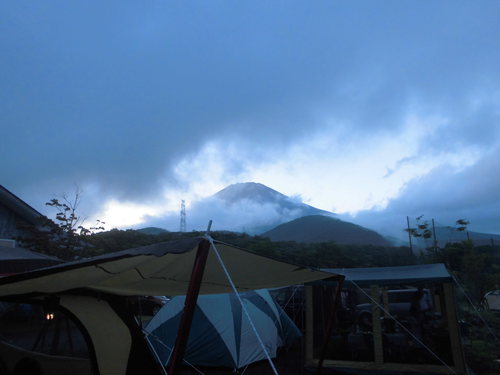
378,350
331,322
453,328
309,324
385,299
189,307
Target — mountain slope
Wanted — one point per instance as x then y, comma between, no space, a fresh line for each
152,230
318,228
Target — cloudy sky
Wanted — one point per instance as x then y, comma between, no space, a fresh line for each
374,109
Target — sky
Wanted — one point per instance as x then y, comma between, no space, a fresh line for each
375,110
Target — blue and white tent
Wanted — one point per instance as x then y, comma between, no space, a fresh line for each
221,334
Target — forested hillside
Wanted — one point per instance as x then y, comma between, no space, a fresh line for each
327,254
319,228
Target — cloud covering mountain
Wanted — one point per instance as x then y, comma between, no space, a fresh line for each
243,207
375,110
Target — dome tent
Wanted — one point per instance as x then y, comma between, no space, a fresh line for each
221,334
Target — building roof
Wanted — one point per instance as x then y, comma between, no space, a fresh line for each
19,206
15,253
417,274
18,260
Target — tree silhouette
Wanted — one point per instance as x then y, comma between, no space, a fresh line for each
65,236
421,230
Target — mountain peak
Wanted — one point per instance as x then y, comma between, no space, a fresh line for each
265,205
252,191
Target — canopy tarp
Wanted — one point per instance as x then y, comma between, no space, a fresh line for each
94,290
412,275
161,269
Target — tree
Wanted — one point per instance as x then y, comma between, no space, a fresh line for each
65,236
461,225
421,230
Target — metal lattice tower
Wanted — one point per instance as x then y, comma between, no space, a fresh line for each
183,216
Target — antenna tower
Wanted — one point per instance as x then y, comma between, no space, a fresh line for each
183,216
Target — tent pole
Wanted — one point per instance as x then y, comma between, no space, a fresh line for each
331,323
189,307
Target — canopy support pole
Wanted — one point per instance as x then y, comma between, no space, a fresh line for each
264,349
331,322
189,307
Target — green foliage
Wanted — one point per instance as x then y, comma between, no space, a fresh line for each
318,255
43,237
117,240
481,356
477,269
421,230
65,237
461,225
476,266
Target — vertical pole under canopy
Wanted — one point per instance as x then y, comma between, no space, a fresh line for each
189,307
331,323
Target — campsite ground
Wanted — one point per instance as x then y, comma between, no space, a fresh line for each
289,362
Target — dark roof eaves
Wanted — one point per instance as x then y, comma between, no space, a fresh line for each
19,206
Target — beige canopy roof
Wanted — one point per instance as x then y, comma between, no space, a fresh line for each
161,269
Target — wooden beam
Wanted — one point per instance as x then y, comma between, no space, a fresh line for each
453,328
189,307
385,299
331,322
406,368
378,349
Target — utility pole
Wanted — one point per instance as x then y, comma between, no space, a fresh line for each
434,234
183,216
409,234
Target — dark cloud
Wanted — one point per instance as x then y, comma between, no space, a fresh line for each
115,94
